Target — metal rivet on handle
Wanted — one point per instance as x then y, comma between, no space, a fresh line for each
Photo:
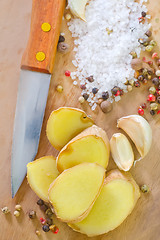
40,56
46,27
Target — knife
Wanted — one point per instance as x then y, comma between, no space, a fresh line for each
36,68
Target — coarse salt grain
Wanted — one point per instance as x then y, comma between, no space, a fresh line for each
107,56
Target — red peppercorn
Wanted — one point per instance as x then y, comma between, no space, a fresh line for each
150,63
151,98
144,59
67,73
42,220
144,105
56,230
83,86
154,55
137,84
118,93
158,112
140,111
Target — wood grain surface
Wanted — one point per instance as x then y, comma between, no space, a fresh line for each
144,222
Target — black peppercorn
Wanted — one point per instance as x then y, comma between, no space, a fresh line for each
152,112
45,228
44,207
137,84
158,99
155,81
32,214
143,14
90,79
61,39
49,221
140,78
94,90
148,33
105,95
86,96
40,202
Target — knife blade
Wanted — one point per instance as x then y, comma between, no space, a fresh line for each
36,68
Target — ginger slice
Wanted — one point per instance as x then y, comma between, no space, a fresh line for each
75,190
92,145
64,124
115,202
40,174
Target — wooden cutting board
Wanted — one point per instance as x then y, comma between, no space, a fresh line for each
144,222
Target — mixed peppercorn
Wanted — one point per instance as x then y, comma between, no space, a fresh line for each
47,223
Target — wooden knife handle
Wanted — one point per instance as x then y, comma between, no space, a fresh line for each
44,34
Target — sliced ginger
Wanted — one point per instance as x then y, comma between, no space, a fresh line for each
92,145
115,202
75,190
64,124
40,174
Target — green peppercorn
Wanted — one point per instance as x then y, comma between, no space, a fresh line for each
145,72
40,202
152,90
153,43
145,43
49,212
144,188
5,210
131,82
45,228
149,48
154,106
133,54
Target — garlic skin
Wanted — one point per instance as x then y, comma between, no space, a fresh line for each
139,131
122,152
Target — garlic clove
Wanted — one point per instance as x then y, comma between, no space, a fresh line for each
77,8
139,131
122,152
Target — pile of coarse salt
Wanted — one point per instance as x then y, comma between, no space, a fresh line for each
103,44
